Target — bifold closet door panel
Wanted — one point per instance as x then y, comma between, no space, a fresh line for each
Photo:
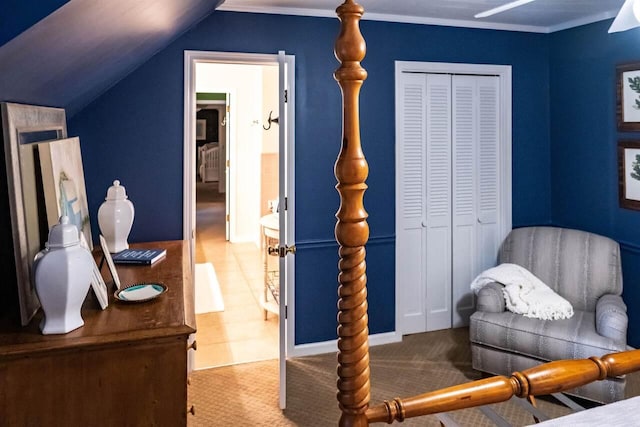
464,171
489,182
411,208
475,183
423,269
438,197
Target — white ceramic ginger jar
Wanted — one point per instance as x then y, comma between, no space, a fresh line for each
62,273
115,218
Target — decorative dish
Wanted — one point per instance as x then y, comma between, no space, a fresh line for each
140,292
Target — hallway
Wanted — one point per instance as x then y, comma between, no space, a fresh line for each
239,334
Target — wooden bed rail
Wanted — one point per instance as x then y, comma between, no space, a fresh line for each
552,377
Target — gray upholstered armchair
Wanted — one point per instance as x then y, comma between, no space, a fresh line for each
582,267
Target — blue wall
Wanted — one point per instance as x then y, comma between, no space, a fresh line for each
134,133
18,15
584,142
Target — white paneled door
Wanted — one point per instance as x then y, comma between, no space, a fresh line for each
451,181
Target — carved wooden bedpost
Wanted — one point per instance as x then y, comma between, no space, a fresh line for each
352,230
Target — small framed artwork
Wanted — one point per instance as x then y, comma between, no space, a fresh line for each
63,184
99,287
97,282
629,174
201,129
110,264
628,92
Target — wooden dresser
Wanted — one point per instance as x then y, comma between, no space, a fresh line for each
127,366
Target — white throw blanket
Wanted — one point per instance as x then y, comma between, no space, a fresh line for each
524,293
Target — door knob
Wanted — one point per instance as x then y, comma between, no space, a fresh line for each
281,251
273,250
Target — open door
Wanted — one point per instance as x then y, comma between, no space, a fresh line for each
287,246
223,184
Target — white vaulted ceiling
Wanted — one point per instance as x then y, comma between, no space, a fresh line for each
542,16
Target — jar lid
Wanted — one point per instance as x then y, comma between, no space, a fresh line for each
116,192
63,234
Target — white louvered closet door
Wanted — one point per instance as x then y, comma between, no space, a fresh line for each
437,259
490,186
448,225
475,186
410,211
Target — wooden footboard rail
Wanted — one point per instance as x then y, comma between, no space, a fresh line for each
552,377
352,233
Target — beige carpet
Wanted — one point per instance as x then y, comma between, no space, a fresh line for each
247,395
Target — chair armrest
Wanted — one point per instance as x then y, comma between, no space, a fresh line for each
491,299
611,317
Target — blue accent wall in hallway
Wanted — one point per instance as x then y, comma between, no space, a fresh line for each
134,133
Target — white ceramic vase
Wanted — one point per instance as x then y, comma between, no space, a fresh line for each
62,273
115,218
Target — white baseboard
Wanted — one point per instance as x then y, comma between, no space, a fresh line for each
332,346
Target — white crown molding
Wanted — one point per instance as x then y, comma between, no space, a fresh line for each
405,19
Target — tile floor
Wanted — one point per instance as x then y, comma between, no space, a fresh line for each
240,333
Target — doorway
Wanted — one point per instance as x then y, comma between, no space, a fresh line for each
237,331
233,215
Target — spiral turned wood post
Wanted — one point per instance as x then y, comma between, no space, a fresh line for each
352,230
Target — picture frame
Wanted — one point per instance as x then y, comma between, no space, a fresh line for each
211,116
110,264
201,129
97,282
629,174
24,127
63,184
628,96
65,194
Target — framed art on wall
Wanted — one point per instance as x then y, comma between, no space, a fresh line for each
201,130
629,174
207,124
628,93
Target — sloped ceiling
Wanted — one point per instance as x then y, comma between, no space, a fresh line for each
84,47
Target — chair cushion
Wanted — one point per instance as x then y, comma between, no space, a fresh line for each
574,338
